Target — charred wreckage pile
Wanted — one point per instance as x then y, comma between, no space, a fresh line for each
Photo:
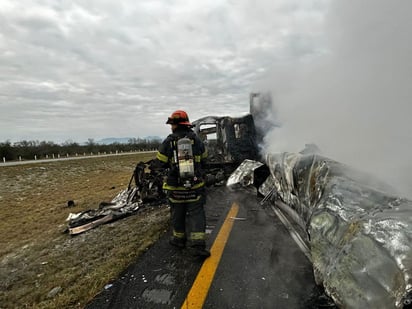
229,141
359,232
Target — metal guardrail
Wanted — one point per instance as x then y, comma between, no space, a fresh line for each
54,158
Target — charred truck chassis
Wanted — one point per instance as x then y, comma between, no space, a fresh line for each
229,141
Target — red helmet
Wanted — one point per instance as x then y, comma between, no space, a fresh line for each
179,117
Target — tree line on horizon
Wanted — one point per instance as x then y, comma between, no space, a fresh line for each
28,150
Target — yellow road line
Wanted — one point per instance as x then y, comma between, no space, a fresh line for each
197,294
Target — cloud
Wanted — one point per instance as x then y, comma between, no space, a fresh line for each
105,68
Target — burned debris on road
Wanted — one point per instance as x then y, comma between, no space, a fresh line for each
358,231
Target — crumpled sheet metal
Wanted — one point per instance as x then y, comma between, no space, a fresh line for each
243,175
122,204
360,232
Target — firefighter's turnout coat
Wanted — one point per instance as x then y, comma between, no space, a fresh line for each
185,200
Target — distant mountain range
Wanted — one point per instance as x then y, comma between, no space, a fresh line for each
124,140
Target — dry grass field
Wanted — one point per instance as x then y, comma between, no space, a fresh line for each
43,267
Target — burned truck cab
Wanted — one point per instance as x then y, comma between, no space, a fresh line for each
228,140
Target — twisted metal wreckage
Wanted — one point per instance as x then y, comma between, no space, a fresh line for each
146,191
358,231
229,141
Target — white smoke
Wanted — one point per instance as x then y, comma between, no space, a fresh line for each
355,101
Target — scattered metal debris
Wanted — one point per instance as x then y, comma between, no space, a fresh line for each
147,190
144,189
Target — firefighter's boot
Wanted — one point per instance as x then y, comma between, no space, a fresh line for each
199,251
177,242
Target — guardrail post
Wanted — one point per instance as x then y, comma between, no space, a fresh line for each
19,158
4,160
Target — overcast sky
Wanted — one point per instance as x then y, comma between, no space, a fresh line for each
92,69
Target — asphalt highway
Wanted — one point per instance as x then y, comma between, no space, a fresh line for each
254,263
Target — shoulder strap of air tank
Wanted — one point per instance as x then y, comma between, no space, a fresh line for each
191,135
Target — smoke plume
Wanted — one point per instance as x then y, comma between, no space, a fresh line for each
354,100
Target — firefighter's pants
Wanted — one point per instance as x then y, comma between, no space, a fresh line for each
189,221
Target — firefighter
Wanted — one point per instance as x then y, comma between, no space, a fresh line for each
184,154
